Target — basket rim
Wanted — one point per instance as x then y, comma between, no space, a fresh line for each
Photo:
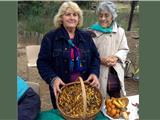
78,82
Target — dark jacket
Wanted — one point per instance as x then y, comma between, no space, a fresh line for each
28,101
54,55
29,105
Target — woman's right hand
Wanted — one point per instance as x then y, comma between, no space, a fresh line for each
109,61
56,86
103,61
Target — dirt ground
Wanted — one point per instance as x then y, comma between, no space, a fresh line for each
132,86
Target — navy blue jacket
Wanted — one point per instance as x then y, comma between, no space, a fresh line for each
29,105
54,56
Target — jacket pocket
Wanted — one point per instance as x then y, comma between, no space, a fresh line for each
56,53
56,58
85,57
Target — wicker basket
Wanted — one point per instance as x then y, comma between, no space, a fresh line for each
79,101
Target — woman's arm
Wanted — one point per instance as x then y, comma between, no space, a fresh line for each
123,48
44,61
95,60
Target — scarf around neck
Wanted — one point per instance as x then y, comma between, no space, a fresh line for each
75,61
99,28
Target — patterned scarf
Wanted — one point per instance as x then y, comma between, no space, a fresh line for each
75,62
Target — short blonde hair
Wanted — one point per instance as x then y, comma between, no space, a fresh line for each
57,18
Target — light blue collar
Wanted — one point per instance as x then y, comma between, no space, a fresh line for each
22,87
99,28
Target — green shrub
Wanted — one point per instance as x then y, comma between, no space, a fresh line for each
38,16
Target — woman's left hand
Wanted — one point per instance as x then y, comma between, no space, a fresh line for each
93,80
111,60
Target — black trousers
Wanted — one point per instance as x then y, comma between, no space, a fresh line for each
29,106
53,98
113,84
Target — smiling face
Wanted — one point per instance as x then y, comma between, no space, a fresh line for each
105,18
70,19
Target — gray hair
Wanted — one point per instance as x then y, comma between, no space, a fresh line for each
109,7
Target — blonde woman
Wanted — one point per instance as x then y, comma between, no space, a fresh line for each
112,46
68,52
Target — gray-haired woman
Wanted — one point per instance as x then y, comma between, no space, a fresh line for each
112,46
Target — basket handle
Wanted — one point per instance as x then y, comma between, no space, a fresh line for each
83,97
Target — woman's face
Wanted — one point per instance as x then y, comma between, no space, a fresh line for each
70,19
105,18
